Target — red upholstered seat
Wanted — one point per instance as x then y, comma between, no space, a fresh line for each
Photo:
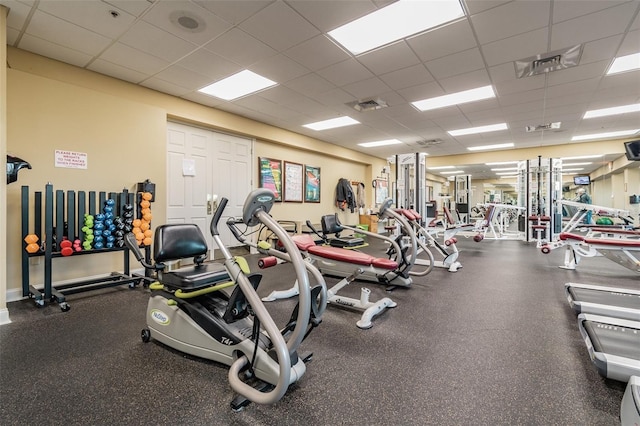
380,262
569,236
416,215
304,241
343,255
622,243
616,231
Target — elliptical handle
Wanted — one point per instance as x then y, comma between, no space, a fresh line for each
217,215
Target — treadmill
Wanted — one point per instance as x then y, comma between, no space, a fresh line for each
613,345
606,301
630,406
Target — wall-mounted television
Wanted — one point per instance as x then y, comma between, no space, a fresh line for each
581,180
632,150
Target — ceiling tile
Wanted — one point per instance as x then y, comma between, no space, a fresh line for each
565,10
515,18
279,26
407,77
234,11
584,72
310,84
477,6
316,53
519,85
134,59
327,15
389,58
167,15
602,49
335,97
452,38
239,47
183,77
364,89
54,51
94,16
631,44
135,8
18,13
517,47
345,72
154,41
164,86
458,63
62,33
591,27
117,71
470,80
279,68
209,64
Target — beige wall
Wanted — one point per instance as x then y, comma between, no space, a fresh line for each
4,317
122,129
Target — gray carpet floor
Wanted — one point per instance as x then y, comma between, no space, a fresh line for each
494,343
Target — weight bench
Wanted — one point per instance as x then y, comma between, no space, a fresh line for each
619,250
344,263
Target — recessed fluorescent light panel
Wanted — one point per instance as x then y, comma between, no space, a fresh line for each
394,22
574,169
612,111
332,123
606,135
500,163
507,174
625,63
441,167
467,96
584,163
503,169
481,129
380,143
581,157
453,172
496,146
237,85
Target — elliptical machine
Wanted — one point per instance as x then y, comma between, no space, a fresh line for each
212,310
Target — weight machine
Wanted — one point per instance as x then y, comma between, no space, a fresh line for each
539,187
410,182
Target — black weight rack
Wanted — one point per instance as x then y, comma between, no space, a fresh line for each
66,220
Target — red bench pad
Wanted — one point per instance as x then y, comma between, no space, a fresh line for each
623,243
569,236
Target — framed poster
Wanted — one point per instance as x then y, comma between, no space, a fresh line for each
311,184
382,190
292,185
270,175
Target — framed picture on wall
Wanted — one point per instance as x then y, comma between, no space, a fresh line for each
382,190
293,181
270,175
311,184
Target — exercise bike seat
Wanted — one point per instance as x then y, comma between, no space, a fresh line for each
182,241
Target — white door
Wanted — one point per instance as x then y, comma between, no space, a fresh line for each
202,167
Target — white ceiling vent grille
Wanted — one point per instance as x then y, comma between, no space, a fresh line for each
541,127
429,142
548,62
368,104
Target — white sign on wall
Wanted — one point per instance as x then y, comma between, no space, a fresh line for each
71,159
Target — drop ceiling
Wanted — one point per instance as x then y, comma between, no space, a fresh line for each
177,47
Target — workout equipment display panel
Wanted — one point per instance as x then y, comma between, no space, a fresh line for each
606,301
613,345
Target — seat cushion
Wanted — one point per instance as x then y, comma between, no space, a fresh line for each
195,277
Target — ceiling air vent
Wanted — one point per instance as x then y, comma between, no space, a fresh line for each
548,62
429,142
540,127
368,104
